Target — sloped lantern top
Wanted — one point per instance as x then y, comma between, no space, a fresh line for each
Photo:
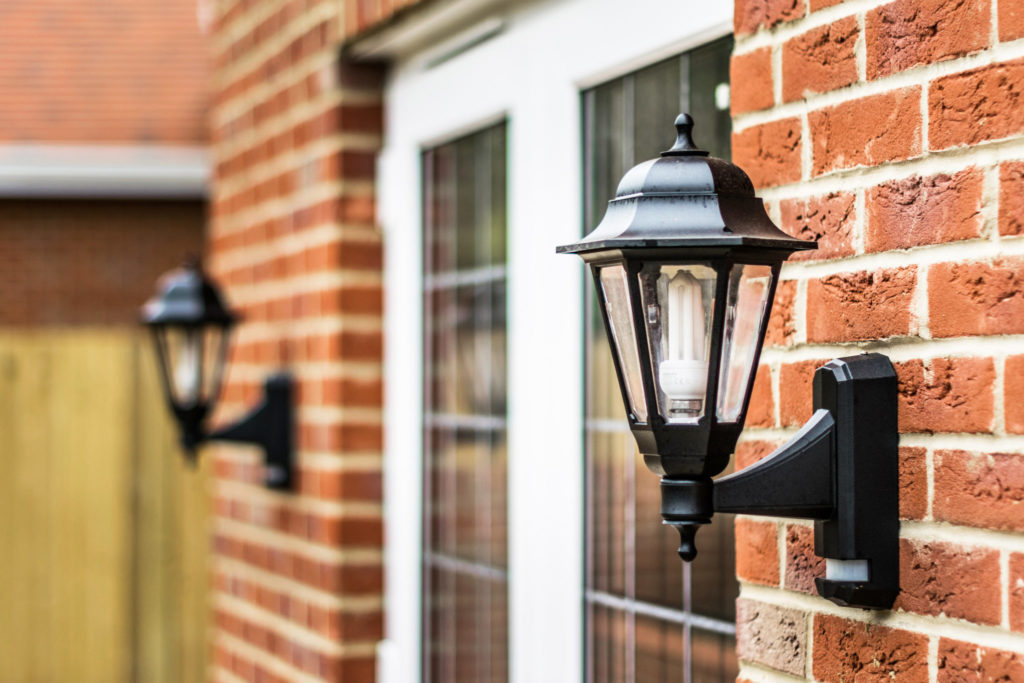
185,297
686,198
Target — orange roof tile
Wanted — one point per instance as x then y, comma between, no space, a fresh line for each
108,71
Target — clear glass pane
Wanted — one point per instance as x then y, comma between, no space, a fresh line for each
746,304
678,302
615,290
709,96
656,94
713,585
660,649
608,495
713,657
465,398
606,644
659,572
195,359
607,153
604,399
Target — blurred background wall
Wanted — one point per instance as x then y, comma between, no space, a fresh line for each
102,188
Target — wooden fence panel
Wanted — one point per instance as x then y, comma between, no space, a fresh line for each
104,529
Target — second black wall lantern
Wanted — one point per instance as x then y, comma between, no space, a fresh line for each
686,261
191,328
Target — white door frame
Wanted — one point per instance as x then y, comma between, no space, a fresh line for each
529,69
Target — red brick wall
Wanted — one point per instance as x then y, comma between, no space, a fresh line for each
893,133
365,15
89,262
298,576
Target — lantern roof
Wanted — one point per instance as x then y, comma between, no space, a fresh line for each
186,297
686,198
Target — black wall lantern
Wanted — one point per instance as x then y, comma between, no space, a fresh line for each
191,328
686,261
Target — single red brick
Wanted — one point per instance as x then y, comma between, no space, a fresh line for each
362,346
751,77
1013,390
946,395
749,452
782,323
358,437
961,662
820,60
916,211
1011,196
750,15
980,490
913,483
860,306
907,33
822,4
942,578
362,626
827,219
867,131
795,399
772,636
761,412
969,107
1011,21
1015,582
976,298
757,551
361,485
856,651
769,153
802,565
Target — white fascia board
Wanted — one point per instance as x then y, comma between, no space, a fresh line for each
424,28
103,171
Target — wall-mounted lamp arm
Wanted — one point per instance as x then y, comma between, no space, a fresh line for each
797,480
269,425
840,469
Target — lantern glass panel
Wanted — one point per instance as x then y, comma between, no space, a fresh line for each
678,301
746,304
194,360
615,292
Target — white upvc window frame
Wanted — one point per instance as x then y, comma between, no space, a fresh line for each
525,63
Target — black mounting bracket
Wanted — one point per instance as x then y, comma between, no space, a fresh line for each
840,469
269,425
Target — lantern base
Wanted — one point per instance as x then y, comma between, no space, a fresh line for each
687,504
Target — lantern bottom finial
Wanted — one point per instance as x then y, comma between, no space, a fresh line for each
687,547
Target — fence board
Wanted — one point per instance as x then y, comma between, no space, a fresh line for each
105,529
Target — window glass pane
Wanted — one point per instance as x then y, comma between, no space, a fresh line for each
712,657
659,576
709,97
659,651
609,474
465,559
658,89
607,636
643,604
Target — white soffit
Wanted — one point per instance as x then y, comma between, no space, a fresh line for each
103,171
439,27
